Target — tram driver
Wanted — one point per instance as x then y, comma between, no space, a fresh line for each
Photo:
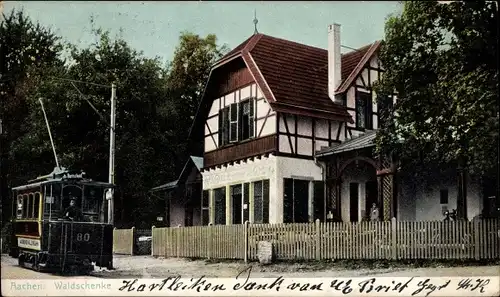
72,212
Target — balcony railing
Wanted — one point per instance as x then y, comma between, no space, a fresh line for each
241,151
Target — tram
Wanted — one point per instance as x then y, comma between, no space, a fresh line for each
59,223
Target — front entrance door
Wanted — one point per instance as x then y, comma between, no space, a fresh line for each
354,198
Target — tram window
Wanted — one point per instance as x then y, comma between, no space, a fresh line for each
91,200
25,206
71,191
36,205
52,200
19,209
56,197
31,209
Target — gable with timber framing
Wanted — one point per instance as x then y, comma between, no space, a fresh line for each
361,100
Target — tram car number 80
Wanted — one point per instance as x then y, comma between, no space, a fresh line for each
59,223
83,237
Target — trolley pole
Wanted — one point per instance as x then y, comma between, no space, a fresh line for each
112,154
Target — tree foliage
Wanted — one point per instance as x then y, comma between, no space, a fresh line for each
442,61
187,76
155,106
24,47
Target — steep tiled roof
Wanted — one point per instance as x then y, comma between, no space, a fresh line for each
294,76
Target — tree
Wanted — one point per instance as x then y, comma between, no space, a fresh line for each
442,61
24,46
82,136
187,75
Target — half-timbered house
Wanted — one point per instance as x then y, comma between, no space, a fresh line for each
268,106
287,132
356,179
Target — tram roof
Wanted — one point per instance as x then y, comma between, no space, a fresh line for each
62,175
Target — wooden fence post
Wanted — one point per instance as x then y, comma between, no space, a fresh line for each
318,240
477,239
152,240
394,241
178,240
210,239
246,240
132,241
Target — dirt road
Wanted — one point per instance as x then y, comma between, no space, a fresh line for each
148,267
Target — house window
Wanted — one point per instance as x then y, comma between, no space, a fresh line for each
296,201
443,196
364,113
261,202
205,208
220,206
236,122
246,119
233,122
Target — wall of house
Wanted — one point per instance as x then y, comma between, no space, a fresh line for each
298,169
304,136
244,172
265,117
420,199
178,201
361,173
364,84
273,168
177,211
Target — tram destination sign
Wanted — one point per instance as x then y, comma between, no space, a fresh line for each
28,243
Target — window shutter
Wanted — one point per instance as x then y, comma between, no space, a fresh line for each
221,127
265,202
220,206
241,111
251,119
226,125
369,111
246,192
288,201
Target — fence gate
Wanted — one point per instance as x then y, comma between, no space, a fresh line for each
123,241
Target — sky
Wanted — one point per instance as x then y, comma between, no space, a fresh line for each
153,27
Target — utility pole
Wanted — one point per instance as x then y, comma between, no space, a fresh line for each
110,195
2,178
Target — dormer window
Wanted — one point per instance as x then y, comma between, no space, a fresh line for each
364,112
236,122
